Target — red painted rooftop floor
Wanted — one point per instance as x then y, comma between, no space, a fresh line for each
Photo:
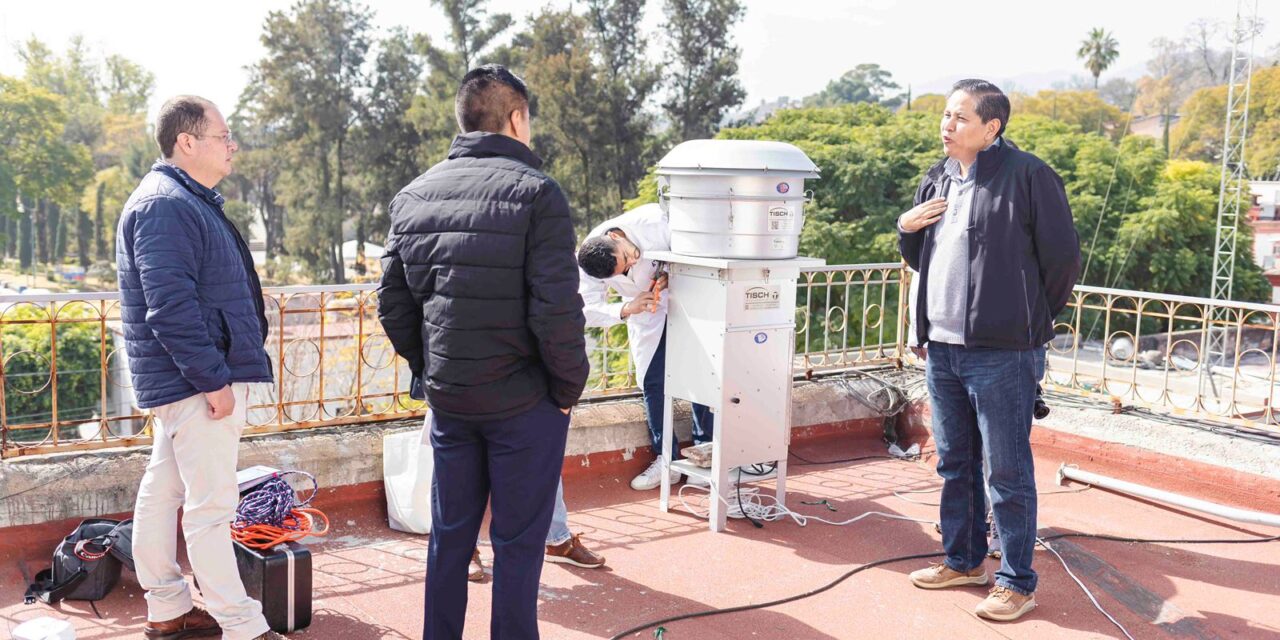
369,578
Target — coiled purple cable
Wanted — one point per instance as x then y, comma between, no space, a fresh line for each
272,501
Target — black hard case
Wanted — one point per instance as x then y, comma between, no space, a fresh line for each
279,578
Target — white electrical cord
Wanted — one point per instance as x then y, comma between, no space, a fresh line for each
754,505
902,495
1092,599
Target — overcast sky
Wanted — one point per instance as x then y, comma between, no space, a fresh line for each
789,47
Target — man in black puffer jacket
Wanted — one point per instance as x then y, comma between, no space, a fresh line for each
480,294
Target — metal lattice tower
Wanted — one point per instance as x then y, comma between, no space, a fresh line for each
1230,190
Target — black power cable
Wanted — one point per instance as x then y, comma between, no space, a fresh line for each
738,488
806,462
918,556
774,603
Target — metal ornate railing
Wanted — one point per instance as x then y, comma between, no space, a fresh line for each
65,383
850,316
1152,350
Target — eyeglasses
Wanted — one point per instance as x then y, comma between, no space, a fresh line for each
630,255
227,139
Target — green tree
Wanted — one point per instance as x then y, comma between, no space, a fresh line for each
127,86
104,103
74,77
31,119
472,39
472,31
702,64
387,142
1099,50
863,83
1167,84
99,221
259,167
240,214
934,103
311,81
1121,93
1165,244
105,197
1086,110
627,80
124,154
37,164
1198,135
570,131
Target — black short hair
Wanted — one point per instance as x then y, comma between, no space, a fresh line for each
487,96
180,114
992,103
597,256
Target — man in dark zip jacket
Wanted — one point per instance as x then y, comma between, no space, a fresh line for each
992,239
192,313
480,294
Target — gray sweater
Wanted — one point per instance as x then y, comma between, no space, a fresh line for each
948,301
949,278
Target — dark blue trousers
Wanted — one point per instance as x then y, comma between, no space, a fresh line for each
655,394
982,402
514,466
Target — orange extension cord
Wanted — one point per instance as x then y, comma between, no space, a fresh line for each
299,524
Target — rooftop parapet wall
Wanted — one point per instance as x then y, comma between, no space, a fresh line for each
59,486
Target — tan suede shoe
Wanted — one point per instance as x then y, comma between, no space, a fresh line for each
940,576
1005,604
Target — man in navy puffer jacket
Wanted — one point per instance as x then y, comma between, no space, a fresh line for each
194,330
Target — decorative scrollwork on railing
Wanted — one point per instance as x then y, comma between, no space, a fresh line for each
65,384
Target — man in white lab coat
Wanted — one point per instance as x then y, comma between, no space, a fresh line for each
610,258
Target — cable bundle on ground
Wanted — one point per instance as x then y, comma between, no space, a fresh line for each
272,514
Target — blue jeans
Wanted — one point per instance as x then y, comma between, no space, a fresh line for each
559,532
513,465
982,402
655,394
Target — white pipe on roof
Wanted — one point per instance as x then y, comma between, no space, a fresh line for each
1071,472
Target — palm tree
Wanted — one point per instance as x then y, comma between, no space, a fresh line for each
1098,51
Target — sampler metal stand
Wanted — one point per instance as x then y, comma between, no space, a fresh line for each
730,346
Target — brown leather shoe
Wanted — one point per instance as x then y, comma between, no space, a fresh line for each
572,552
477,574
270,635
196,623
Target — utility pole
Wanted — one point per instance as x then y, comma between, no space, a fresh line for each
1230,190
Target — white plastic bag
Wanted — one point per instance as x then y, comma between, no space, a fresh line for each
407,467
45,629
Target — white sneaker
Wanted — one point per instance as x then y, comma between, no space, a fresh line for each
652,477
697,481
